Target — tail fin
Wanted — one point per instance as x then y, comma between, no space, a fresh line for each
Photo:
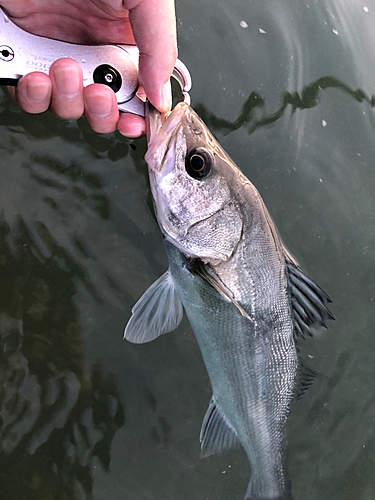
252,493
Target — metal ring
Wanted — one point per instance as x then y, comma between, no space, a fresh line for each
182,76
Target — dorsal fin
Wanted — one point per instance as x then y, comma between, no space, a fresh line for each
306,377
217,434
309,302
158,311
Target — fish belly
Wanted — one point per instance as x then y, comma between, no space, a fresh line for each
253,384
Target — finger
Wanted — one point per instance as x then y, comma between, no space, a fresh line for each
131,126
67,88
33,92
154,30
101,109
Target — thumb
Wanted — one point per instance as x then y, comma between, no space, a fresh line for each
153,24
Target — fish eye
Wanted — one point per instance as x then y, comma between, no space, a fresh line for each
198,163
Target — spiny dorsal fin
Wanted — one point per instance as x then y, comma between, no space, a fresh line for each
206,273
217,434
158,311
309,302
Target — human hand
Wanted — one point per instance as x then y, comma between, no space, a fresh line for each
150,24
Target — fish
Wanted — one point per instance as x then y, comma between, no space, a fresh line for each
245,296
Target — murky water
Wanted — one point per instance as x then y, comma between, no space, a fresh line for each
287,89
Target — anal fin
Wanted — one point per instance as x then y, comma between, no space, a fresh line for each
217,434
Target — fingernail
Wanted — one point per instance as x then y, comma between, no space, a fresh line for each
37,91
68,81
166,97
98,105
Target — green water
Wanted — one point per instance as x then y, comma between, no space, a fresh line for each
86,415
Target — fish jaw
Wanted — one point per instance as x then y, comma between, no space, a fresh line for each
160,129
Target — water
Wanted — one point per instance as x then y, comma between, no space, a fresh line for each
86,415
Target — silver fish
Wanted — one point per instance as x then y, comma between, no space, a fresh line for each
246,298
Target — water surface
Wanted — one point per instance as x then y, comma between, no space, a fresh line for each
287,88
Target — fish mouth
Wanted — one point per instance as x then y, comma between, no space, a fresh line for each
163,123
160,129
154,122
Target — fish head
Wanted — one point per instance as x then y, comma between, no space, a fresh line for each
194,185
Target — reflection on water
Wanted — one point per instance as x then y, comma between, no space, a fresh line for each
249,116
57,422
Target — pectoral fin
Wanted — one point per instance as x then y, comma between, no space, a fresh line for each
158,311
217,434
206,273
